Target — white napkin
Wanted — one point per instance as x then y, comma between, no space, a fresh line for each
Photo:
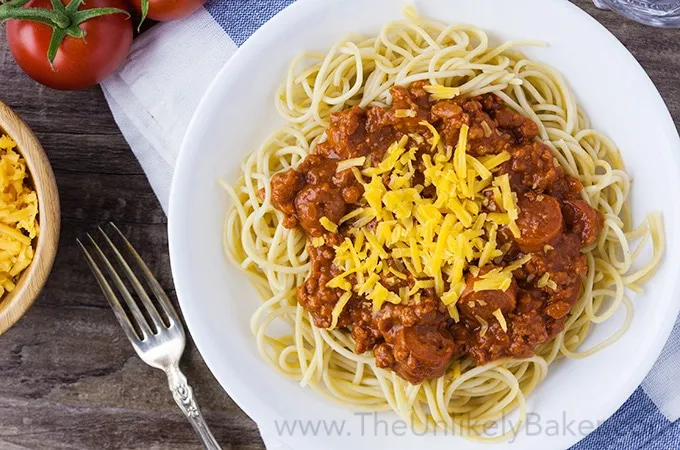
155,94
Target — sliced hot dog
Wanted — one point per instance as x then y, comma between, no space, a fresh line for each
539,222
422,352
583,220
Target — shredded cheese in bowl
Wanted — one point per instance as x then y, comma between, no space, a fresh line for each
18,215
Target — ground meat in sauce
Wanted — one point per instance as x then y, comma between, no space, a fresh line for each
312,191
418,339
318,299
473,305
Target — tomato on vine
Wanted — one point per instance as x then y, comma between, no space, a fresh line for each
68,44
165,10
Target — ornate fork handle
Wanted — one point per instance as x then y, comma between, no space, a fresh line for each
184,397
162,349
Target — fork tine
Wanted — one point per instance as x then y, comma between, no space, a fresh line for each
110,296
151,309
132,305
158,291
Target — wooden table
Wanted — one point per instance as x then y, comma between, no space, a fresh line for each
68,377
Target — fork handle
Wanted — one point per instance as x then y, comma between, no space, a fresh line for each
184,396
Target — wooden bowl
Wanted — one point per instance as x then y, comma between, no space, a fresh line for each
14,304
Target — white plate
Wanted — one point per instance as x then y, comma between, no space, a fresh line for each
238,112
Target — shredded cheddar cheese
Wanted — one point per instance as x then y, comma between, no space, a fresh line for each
337,309
492,162
18,216
434,239
401,113
498,314
543,281
318,241
484,326
442,92
491,284
436,139
328,225
486,128
509,202
349,163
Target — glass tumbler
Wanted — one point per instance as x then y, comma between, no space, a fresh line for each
658,13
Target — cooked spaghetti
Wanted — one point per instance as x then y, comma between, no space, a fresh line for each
436,224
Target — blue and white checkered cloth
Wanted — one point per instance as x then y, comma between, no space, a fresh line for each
153,97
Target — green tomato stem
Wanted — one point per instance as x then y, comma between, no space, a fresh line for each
14,3
64,20
74,6
32,14
57,5
58,36
87,14
145,12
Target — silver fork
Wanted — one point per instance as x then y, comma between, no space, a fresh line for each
159,345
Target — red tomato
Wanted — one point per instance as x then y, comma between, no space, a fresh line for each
164,10
80,63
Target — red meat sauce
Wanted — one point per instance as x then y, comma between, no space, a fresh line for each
420,340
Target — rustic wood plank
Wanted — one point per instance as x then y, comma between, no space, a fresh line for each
96,152
68,378
69,371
